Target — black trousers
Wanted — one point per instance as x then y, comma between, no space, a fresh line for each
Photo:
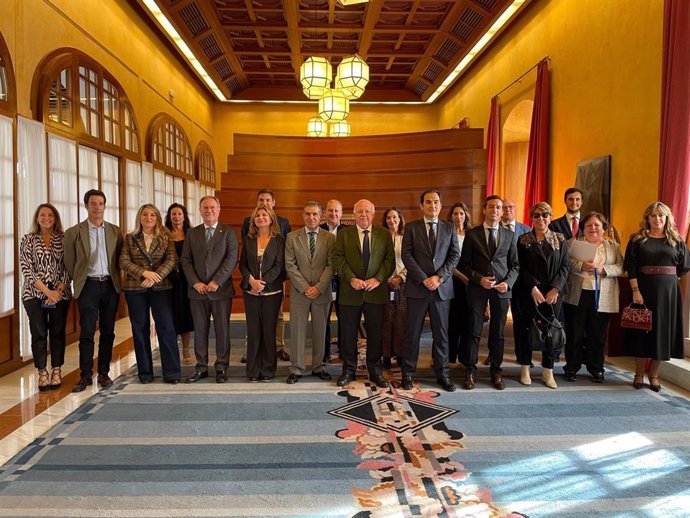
499,311
262,317
458,322
47,325
586,331
438,318
373,324
97,302
327,346
528,311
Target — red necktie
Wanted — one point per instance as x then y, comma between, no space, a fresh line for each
575,227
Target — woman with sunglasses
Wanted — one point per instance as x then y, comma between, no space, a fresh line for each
543,258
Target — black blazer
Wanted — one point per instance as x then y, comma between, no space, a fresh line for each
475,262
335,280
561,225
272,266
536,269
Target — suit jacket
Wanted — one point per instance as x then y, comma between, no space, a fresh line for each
271,268
475,262
346,257
520,228
78,252
536,269
305,271
283,222
561,225
160,258
215,261
422,262
609,292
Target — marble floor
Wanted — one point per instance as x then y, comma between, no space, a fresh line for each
26,413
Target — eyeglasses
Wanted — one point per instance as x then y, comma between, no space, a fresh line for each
543,215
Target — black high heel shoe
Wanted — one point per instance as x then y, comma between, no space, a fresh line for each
656,387
638,381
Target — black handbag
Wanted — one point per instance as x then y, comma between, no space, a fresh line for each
546,333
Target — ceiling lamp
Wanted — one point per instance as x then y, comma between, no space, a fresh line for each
316,128
315,75
339,129
352,77
334,106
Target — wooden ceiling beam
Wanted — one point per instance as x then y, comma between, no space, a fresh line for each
371,17
291,14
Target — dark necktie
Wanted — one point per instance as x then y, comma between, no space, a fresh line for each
432,236
209,234
312,243
365,251
492,242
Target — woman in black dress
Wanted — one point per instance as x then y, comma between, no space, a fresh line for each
396,309
177,221
459,215
543,257
655,258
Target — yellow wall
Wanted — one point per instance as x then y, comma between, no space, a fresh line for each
291,120
113,34
605,91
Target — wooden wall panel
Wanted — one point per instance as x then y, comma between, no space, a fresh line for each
389,170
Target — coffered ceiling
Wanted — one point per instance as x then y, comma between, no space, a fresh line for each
253,49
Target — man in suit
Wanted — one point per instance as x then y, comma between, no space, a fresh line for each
334,213
308,266
208,258
266,196
518,228
364,258
92,259
489,260
569,223
430,252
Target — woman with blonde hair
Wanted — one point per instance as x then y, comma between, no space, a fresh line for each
148,256
655,258
46,292
262,264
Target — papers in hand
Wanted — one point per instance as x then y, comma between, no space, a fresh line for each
582,250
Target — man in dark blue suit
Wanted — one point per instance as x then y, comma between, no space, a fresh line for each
430,252
571,219
489,260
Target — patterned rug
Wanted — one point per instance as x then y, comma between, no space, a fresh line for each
312,450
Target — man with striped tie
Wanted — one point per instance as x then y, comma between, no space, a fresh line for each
308,266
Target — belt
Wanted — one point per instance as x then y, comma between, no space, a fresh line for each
99,278
658,270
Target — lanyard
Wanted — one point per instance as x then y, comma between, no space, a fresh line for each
596,290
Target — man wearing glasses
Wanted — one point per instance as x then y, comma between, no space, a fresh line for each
489,260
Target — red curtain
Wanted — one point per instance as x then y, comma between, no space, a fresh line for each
492,148
536,184
674,156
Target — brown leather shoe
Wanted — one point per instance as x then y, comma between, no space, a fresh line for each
497,381
82,384
104,380
469,380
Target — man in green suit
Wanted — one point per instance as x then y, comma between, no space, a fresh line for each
364,258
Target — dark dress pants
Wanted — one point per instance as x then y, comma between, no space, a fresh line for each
499,311
262,316
46,324
458,321
202,311
97,302
586,331
159,302
438,318
335,304
529,310
373,325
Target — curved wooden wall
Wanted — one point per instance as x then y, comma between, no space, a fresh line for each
386,169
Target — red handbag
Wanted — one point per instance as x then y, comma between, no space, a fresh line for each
637,318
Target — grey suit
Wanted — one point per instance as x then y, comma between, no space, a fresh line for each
206,262
305,271
97,299
421,263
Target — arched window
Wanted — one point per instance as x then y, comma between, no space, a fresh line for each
8,96
78,98
205,165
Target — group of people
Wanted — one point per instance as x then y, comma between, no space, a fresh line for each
394,275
